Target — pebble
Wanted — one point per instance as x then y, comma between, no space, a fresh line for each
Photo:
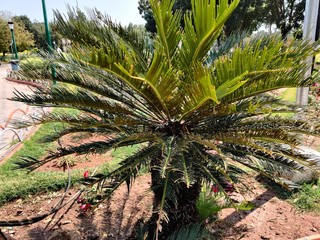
287,227
265,237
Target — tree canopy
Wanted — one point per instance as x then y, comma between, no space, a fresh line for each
24,39
288,15
5,37
250,14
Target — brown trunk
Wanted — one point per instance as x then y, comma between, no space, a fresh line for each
181,212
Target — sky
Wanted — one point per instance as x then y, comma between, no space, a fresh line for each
123,11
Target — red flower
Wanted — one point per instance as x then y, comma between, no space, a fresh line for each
85,207
215,188
86,174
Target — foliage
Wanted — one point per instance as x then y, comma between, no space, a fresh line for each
23,37
190,232
209,203
5,37
33,63
248,16
288,15
198,116
146,12
307,198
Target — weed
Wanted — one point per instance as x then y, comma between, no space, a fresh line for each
308,197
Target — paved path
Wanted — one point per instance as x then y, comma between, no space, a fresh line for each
8,108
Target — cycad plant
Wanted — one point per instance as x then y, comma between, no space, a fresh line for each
199,111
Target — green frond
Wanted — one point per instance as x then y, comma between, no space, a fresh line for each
190,232
168,29
202,27
96,147
269,64
162,215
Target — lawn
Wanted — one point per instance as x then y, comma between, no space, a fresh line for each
19,183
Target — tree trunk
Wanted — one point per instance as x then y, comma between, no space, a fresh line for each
181,212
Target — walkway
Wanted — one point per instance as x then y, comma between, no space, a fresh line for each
10,109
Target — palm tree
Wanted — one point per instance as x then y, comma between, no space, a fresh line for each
198,112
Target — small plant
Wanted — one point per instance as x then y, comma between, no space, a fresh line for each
65,162
308,197
209,203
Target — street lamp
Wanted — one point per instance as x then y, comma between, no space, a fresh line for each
49,42
11,26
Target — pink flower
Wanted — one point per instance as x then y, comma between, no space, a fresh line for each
86,174
85,207
215,188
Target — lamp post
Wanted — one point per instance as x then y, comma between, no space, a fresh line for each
11,26
49,42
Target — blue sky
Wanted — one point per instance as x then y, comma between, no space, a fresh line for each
124,11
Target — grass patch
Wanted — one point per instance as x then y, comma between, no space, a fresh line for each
308,197
289,95
18,184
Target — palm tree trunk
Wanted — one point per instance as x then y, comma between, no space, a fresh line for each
180,212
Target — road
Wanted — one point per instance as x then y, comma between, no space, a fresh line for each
10,109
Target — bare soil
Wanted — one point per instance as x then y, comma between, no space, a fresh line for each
272,218
114,219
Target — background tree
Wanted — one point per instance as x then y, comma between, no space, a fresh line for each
146,12
196,117
24,38
25,20
248,16
287,15
5,37
38,31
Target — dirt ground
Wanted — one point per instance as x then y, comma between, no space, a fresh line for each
113,219
272,218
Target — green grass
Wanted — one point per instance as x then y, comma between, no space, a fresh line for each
307,198
317,60
289,95
19,184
